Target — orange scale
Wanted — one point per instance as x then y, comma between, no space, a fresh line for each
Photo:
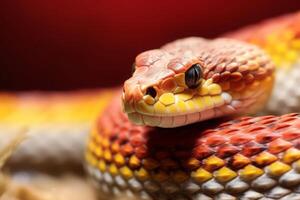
290,115
244,70
137,140
123,137
267,121
191,163
291,134
141,152
264,158
220,68
261,118
224,76
134,162
280,126
225,125
208,74
242,125
279,145
135,131
240,139
201,141
227,151
107,155
210,67
202,151
213,163
252,148
237,86
287,119
124,129
232,68
266,136
216,78
256,129
238,161
249,78
216,140
113,136
245,118
115,147
229,132
126,150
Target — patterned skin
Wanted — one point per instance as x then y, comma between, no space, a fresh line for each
246,158
280,38
235,78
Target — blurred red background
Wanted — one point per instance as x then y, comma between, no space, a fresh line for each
70,44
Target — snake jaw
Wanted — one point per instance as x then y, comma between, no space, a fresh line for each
207,101
180,118
171,109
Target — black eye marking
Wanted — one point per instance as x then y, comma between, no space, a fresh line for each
193,75
133,68
151,91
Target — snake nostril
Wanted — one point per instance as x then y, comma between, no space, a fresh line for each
151,91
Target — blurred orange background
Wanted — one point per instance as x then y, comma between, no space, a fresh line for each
71,44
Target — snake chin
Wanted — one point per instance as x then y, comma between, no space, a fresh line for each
211,107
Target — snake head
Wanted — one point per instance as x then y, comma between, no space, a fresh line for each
194,79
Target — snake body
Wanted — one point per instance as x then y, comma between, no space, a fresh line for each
246,158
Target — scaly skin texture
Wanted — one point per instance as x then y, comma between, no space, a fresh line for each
249,157
280,38
236,79
246,158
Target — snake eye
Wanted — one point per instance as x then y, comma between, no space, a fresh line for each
133,68
193,75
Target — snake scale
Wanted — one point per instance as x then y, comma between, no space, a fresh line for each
189,88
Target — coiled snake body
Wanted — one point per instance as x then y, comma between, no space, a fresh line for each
192,80
182,85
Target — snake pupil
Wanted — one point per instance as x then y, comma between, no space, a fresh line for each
151,91
193,75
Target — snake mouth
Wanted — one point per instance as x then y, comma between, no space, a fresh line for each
172,110
208,100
